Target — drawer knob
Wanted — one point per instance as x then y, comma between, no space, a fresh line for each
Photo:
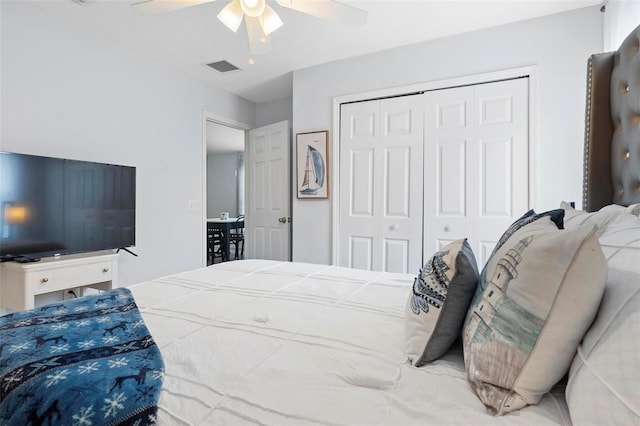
105,270
45,280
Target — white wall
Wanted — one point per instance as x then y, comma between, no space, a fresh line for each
558,46
274,112
222,184
620,18
68,94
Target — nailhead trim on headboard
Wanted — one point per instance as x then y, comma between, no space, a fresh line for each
587,132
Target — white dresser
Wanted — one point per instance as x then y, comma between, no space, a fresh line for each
20,283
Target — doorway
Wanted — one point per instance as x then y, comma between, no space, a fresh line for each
263,186
225,192
222,140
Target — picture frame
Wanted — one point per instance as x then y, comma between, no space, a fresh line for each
312,165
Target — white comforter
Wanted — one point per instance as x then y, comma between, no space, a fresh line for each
263,342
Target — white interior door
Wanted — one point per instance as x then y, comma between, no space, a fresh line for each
268,218
381,145
476,163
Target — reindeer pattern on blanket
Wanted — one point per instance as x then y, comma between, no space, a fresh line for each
85,361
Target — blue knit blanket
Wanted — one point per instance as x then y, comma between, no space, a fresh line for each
85,361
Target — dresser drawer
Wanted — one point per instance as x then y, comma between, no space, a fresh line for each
62,278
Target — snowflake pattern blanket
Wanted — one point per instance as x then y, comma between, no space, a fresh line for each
85,361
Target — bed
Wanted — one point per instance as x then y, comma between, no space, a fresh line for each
287,343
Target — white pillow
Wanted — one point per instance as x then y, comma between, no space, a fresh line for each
634,209
602,218
604,380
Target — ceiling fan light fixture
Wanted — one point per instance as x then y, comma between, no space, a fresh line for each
253,8
269,20
231,15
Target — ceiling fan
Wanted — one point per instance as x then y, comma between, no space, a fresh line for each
260,18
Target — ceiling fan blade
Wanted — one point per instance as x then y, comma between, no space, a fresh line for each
329,9
259,43
160,6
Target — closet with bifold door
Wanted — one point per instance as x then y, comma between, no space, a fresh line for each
421,170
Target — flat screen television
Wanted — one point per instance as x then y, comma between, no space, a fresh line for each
52,206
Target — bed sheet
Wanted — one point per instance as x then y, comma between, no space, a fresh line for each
265,342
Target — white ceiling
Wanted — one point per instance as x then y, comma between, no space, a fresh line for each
188,38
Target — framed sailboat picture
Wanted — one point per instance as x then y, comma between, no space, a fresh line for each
312,164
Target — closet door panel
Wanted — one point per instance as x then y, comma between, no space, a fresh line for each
361,182
448,132
451,178
401,149
359,128
381,151
397,170
476,163
496,180
503,159
494,109
451,113
396,253
360,252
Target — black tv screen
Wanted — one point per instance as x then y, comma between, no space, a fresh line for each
58,206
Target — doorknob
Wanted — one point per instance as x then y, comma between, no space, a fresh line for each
282,220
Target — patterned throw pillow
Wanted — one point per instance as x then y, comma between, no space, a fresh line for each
439,301
537,296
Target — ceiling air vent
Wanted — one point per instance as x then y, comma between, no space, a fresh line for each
223,67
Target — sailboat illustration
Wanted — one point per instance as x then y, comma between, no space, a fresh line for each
313,173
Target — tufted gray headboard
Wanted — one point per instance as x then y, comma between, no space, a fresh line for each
612,131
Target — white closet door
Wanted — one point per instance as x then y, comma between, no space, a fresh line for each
381,178
476,163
